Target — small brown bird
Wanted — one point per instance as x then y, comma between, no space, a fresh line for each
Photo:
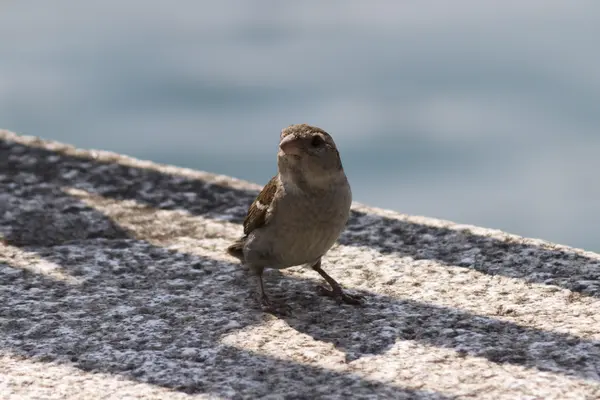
301,212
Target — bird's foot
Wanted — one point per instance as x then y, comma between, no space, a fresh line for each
268,306
342,297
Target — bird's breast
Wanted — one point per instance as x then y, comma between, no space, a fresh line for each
306,228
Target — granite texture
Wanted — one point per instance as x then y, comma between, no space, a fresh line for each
114,283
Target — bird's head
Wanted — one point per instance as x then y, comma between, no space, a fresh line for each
309,154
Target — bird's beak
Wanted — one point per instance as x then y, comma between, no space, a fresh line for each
291,145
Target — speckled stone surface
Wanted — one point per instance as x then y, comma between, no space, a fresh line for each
114,284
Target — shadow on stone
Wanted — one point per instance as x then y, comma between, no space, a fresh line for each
373,329
158,315
20,164
142,311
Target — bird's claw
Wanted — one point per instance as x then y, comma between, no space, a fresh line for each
267,306
340,296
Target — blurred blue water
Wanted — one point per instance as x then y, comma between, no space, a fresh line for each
474,112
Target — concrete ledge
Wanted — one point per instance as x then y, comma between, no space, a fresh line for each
114,283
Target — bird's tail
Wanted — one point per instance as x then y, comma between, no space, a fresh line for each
236,249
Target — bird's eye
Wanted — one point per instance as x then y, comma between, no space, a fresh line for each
316,141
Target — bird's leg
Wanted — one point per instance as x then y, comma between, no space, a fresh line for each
336,290
264,299
265,302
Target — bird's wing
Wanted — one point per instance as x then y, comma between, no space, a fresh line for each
259,211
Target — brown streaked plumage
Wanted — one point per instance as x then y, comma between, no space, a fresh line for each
256,216
300,212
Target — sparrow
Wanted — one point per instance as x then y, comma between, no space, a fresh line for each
300,212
